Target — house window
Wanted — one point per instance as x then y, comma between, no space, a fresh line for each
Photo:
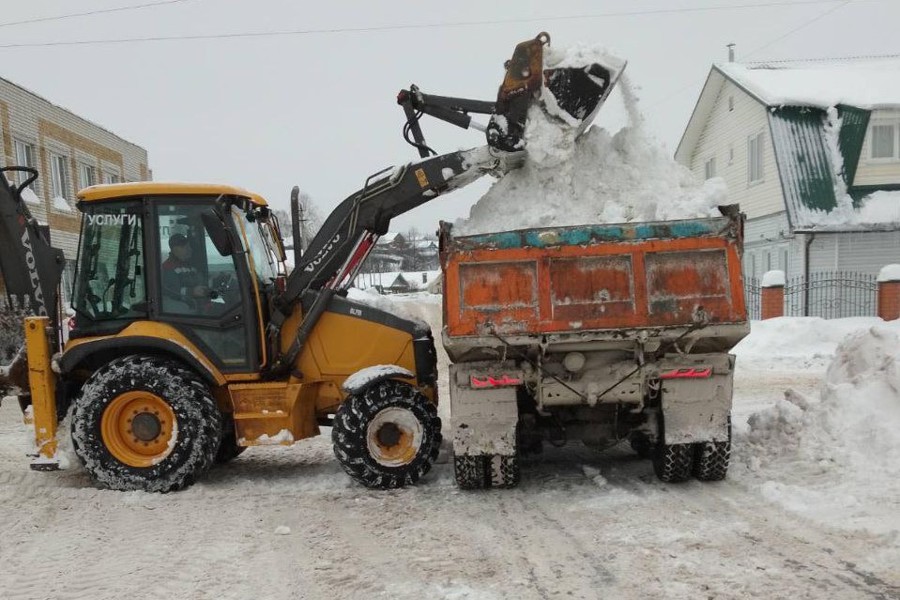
24,158
110,177
884,142
59,177
710,168
755,159
87,175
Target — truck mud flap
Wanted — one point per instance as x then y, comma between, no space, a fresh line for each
483,420
696,397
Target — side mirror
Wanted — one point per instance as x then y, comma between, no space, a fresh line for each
215,227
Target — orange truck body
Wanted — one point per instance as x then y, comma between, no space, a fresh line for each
595,277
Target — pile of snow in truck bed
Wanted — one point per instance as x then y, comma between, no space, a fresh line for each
598,177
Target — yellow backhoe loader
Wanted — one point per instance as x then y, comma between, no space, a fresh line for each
191,343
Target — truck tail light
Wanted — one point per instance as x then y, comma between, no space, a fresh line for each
688,373
489,381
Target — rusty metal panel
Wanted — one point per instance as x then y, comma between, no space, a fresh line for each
494,287
681,283
592,288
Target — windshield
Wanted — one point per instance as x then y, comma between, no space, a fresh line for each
109,281
264,263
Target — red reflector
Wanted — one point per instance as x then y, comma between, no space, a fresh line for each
280,284
488,382
688,373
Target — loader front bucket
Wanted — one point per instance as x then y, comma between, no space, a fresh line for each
571,88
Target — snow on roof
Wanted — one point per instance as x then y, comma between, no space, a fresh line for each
865,84
413,278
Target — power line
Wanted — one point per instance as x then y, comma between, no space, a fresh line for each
766,45
821,59
261,34
90,13
796,29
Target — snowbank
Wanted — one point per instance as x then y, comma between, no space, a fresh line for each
834,458
420,307
792,343
595,178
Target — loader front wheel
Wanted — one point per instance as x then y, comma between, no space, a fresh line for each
145,423
387,436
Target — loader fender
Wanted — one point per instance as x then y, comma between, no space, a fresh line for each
99,351
365,378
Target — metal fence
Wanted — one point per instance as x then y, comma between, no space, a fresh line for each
753,297
831,295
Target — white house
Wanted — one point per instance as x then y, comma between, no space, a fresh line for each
811,151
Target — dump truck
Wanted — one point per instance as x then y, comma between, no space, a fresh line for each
594,333
191,341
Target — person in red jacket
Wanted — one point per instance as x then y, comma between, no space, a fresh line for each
180,278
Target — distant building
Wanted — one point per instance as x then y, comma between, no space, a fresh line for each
795,141
69,152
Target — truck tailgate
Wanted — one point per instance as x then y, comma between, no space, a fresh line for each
593,277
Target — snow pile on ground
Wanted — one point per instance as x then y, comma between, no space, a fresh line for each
421,307
834,458
792,343
595,178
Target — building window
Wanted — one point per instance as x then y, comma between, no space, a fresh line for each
755,158
87,175
710,168
59,180
24,158
883,141
110,177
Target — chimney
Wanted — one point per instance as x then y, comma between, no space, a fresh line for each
731,52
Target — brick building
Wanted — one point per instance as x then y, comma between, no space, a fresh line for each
69,152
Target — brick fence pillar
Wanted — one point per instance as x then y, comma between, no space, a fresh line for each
889,292
772,301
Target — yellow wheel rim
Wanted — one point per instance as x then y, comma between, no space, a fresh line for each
137,428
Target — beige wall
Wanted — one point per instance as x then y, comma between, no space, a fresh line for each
730,128
49,128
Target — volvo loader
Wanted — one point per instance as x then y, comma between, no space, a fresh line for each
191,342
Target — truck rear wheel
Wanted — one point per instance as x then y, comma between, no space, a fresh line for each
711,459
145,423
387,436
672,462
485,471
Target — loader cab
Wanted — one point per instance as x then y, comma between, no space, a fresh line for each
201,259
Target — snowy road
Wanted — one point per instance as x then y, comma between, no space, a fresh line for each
582,525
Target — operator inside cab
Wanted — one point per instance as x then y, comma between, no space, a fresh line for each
181,280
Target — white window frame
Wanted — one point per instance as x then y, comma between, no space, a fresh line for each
59,176
87,175
755,146
110,177
709,167
894,124
30,161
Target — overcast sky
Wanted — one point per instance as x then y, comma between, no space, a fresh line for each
318,109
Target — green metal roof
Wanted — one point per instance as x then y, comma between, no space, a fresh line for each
804,165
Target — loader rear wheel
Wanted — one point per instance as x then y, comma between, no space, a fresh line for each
387,436
672,462
145,423
486,470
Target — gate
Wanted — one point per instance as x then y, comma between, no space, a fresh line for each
831,295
